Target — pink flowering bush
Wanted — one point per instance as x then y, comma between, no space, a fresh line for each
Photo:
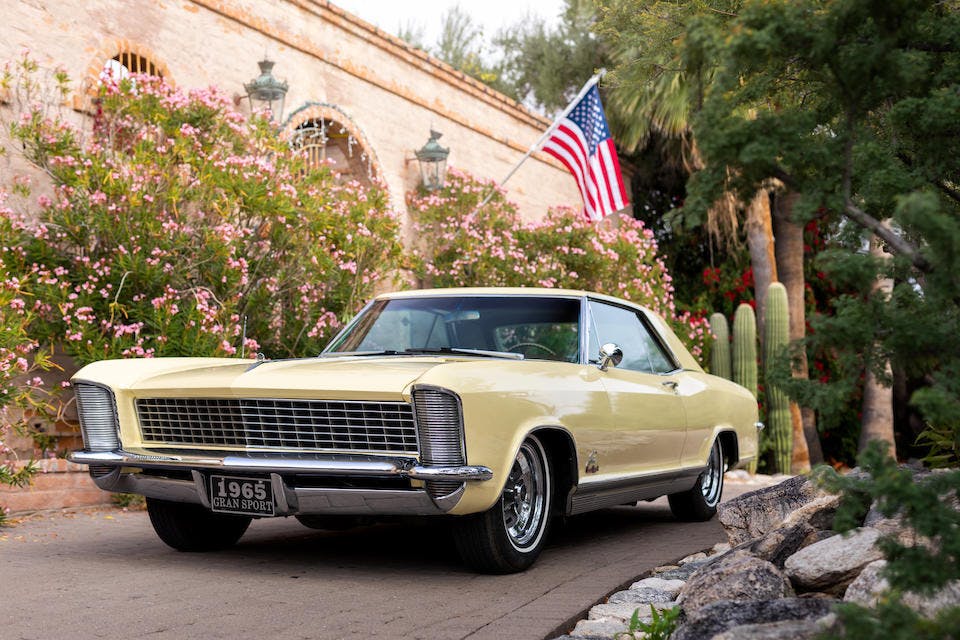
459,246
177,221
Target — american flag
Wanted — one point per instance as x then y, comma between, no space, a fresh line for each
582,142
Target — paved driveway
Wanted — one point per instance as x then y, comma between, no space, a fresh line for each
104,574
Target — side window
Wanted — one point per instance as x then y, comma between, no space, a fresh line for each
641,351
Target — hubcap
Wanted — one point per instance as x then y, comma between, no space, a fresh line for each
711,483
524,497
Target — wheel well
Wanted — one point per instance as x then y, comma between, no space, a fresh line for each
563,460
731,449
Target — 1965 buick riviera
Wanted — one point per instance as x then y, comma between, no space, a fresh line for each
498,408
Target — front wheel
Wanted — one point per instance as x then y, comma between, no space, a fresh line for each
191,527
509,536
700,502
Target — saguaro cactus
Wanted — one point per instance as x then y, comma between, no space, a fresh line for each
776,337
745,355
720,354
745,348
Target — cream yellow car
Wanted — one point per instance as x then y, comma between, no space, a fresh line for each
496,408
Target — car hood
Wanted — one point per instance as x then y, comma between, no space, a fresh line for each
342,377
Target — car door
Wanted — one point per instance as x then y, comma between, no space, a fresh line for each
649,421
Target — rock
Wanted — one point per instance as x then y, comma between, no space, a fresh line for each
758,512
670,587
818,513
782,630
726,614
867,587
602,628
624,610
694,557
929,606
684,572
780,544
642,596
831,564
720,547
817,536
736,576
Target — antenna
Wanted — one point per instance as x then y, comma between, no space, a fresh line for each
243,341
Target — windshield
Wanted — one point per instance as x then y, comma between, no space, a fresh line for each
537,328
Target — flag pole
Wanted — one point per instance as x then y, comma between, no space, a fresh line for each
546,134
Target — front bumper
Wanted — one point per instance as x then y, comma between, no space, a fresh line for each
123,471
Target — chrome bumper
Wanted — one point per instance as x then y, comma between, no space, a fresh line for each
125,476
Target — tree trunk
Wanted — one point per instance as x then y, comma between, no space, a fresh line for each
788,245
877,420
760,244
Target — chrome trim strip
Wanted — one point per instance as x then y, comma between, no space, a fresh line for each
201,488
294,500
354,465
609,493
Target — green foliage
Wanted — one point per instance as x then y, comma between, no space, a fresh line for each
461,246
178,222
661,626
546,65
720,351
777,336
851,105
927,562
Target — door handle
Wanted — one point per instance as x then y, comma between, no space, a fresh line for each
670,383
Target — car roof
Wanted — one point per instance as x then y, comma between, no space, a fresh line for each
504,291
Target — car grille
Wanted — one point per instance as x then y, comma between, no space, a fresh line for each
274,423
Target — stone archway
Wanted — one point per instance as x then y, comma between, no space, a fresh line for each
326,134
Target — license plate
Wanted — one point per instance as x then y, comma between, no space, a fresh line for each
245,496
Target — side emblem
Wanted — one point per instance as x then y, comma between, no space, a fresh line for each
592,465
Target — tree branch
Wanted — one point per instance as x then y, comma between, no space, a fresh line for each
895,242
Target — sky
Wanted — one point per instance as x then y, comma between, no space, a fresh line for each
491,15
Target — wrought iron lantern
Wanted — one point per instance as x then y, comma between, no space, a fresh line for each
433,162
265,91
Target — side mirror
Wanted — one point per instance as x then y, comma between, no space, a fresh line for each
609,354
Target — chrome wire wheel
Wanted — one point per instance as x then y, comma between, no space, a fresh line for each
525,497
711,482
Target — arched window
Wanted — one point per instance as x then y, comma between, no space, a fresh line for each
126,62
326,141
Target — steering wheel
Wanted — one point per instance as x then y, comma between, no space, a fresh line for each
535,345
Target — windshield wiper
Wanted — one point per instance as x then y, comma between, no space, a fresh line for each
469,352
344,354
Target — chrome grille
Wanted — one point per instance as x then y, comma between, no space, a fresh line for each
440,422
282,424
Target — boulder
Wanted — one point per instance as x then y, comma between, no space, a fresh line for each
758,512
602,628
624,610
736,576
830,565
867,587
670,587
726,614
929,606
818,513
641,596
684,572
782,630
780,544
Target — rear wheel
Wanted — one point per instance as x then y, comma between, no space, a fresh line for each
509,536
700,502
191,527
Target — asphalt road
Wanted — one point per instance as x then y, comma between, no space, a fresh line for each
104,574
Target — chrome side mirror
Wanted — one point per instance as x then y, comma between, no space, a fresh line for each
609,354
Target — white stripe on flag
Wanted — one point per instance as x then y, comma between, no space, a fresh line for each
559,148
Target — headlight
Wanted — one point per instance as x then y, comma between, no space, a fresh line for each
440,431
98,417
